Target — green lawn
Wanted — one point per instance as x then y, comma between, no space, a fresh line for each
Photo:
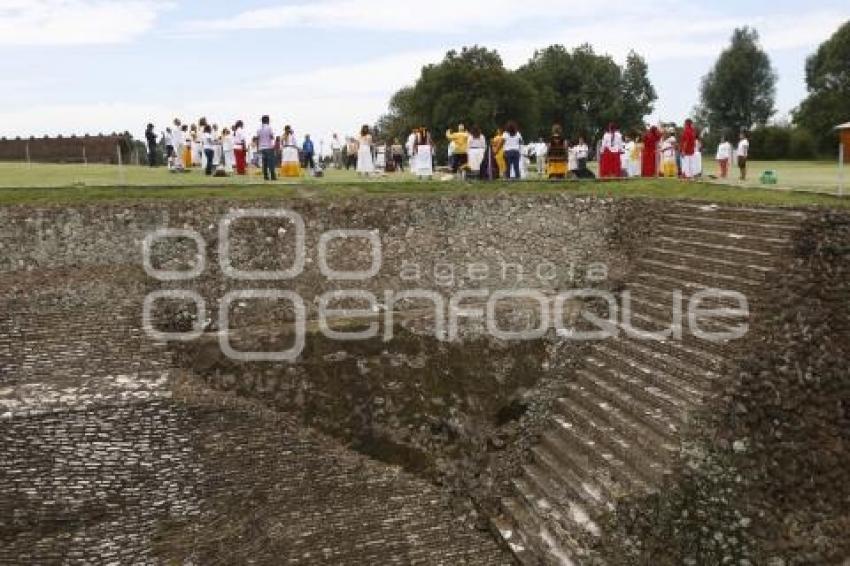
62,184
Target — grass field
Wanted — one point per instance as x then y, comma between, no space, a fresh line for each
800,183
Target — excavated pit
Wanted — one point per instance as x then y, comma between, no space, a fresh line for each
124,447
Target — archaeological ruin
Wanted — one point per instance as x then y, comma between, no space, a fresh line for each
452,381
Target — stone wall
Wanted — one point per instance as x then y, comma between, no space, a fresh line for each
73,149
88,418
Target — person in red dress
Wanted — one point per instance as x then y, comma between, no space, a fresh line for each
688,148
612,147
240,147
649,159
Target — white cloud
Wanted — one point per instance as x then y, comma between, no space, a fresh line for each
426,16
76,22
342,97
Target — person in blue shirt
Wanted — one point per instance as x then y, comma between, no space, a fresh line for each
308,151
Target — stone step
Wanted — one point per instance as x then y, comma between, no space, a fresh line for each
729,250
571,479
707,277
637,386
637,310
651,321
779,216
717,349
539,494
621,360
660,295
579,518
743,241
659,445
770,228
718,263
605,389
697,380
650,466
523,532
593,461
652,302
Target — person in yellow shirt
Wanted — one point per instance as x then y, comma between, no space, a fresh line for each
460,157
187,148
497,145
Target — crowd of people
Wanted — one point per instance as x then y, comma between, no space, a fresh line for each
654,151
658,152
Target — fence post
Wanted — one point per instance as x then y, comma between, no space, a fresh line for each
29,162
841,169
85,159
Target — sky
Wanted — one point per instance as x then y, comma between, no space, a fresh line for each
91,66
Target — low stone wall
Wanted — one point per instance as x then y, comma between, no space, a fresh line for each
73,149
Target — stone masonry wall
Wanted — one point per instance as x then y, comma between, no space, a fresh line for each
102,465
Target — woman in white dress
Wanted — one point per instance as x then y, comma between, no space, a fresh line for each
477,147
197,146
216,135
228,151
365,163
290,163
423,160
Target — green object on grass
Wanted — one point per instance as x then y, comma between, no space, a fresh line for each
769,178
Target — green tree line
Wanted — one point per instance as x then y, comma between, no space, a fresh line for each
579,89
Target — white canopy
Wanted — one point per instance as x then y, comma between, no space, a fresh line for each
844,126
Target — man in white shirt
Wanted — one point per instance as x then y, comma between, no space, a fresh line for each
265,144
743,154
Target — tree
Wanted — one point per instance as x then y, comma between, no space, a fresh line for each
578,89
638,93
470,87
740,91
828,84
584,91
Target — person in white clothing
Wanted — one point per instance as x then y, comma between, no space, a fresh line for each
724,155
422,154
228,151
209,150
178,143
541,150
365,161
216,136
625,156
581,152
512,146
477,149
698,158
410,146
168,142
